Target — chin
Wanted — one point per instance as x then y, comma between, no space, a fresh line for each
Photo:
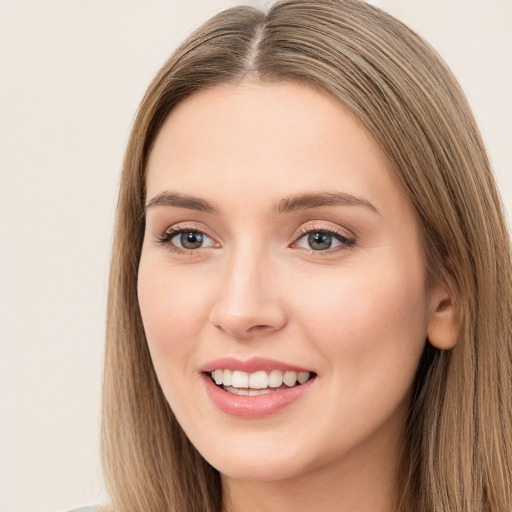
257,469
246,458
253,458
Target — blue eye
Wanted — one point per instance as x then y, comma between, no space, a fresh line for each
185,239
189,239
320,241
323,240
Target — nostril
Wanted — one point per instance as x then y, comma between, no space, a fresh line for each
260,328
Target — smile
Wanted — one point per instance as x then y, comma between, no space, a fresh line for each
255,387
238,382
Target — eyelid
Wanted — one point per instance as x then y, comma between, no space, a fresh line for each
346,237
165,237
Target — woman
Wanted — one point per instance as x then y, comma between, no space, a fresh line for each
310,299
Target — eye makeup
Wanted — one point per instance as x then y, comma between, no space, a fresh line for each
185,239
314,237
323,240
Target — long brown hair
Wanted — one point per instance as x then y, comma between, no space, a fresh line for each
458,452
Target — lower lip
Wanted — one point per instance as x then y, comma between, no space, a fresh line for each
256,405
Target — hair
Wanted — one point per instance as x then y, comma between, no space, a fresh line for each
458,449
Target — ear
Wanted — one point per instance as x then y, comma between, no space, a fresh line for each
444,323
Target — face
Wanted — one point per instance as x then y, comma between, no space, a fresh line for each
278,246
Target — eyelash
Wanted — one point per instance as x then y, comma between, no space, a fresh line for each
346,241
166,237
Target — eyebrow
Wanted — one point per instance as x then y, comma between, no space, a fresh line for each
180,201
286,205
307,201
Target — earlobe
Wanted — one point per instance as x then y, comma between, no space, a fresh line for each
444,326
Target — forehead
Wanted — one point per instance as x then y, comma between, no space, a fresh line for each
276,139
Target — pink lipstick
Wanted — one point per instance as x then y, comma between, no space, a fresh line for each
254,387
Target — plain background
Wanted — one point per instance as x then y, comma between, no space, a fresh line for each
71,76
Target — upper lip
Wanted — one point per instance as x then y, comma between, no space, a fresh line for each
254,364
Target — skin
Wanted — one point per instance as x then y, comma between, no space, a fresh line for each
357,314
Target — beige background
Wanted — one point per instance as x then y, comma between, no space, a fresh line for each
71,75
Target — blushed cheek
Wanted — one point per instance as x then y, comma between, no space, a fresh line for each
153,304
366,316
168,325
167,313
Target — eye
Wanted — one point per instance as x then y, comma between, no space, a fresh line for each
324,240
185,239
190,239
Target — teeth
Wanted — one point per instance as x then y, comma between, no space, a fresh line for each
290,378
275,378
227,378
258,380
237,380
303,377
247,391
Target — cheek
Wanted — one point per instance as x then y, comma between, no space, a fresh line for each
367,319
173,309
173,312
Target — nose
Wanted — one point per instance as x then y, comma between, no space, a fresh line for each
248,302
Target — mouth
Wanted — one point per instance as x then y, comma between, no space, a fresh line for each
238,382
256,387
